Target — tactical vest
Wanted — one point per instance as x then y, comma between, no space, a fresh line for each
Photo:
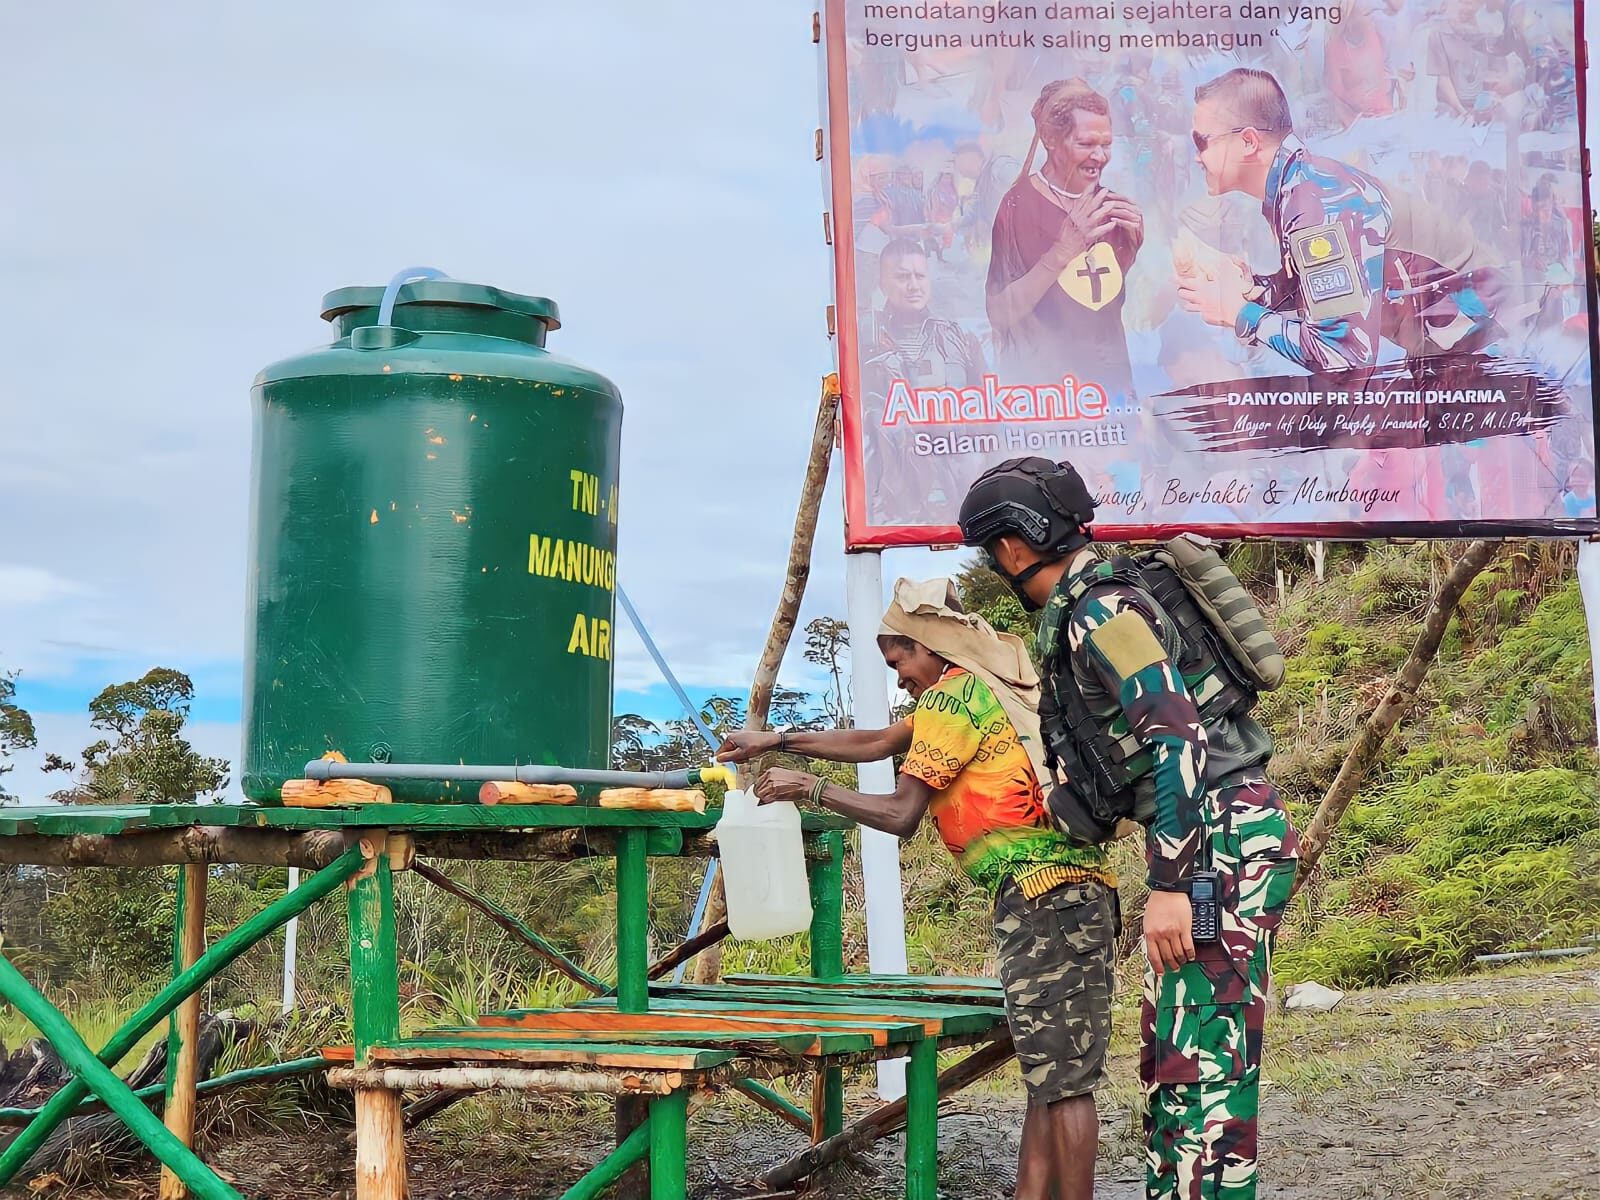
1221,647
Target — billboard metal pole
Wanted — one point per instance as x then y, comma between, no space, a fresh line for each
1589,586
880,852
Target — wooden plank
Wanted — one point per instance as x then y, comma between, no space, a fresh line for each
776,1021
801,1041
940,1020
814,995
923,984
594,1054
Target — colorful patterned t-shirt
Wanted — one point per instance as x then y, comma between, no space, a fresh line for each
989,809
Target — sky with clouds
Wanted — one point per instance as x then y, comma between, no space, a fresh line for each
186,180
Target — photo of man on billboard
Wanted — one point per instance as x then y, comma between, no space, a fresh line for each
1361,260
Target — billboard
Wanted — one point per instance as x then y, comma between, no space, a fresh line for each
1275,269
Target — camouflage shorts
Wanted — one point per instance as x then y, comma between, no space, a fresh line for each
1056,964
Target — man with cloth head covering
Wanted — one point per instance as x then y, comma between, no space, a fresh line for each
969,750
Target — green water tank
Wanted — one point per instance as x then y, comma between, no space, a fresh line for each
433,534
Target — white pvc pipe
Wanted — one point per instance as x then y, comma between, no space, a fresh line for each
291,944
1589,587
880,852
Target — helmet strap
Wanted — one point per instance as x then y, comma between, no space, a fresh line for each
1018,582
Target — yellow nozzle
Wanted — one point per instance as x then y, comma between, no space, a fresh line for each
716,773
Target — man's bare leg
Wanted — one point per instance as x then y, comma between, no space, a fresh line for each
1073,1128
1036,1161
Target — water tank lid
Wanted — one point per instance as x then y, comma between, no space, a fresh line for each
444,291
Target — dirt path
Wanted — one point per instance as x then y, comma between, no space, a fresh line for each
1478,1088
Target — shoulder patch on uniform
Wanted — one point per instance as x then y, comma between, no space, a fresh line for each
1128,643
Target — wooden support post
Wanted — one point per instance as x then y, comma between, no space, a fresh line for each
633,985
375,1018
633,922
827,962
827,908
784,619
183,1038
669,1137
922,1122
215,960
633,1121
93,1075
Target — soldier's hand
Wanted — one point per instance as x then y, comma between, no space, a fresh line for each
1168,930
1216,296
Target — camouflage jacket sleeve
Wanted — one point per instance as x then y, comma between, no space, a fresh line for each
1283,321
1118,635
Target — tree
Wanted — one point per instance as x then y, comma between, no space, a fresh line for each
827,645
16,728
149,761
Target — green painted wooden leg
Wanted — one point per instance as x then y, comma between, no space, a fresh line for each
213,962
922,1121
95,1076
375,1018
827,909
612,1167
669,1137
633,922
827,962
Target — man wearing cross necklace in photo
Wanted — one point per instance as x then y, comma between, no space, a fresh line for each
1063,245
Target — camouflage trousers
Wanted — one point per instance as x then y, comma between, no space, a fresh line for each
1056,963
1201,1055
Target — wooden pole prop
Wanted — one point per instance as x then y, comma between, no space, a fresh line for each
512,926
210,964
183,1060
283,1070
1394,706
688,949
783,622
888,1118
375,1018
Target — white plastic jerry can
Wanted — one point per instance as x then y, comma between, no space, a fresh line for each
763,868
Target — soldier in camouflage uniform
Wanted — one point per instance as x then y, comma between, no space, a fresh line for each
1198,789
